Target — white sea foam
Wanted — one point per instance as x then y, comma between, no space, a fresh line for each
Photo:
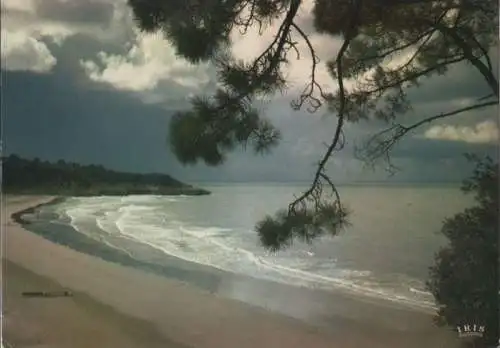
72,215
143,219
420,292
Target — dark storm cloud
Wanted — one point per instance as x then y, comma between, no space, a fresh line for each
461,81
80,11
52,117
64,115
311,133
48,116
439,149
10,13
77,47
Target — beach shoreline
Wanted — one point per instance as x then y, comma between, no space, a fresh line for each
144,256
196,318
17,216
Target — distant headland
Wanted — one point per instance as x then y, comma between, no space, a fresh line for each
37,177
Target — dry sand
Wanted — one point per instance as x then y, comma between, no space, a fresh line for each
116,306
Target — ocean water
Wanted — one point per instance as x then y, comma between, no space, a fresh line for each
385,253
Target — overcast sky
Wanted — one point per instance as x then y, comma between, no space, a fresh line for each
81,83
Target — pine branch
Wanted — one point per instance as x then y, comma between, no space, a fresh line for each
415,75
469,55
279,40
341,115
448,114
397,48
308,93
380,144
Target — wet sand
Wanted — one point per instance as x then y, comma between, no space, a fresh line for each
117,306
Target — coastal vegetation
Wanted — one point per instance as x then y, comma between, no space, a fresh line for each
464,278
24,176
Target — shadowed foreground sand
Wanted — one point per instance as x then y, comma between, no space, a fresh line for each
115,306
76,322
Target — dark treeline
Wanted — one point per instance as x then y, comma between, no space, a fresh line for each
23,176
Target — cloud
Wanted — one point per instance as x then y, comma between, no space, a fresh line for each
16,5
251,44
481,133
151,59
23,52
467,82
56,20
52,116
148,61
30,26
81,11
119,88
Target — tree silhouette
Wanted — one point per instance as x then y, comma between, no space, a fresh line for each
429,36
464,279
23,176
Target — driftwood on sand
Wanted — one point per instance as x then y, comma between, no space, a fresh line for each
47,294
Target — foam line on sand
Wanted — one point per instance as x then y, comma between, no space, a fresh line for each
117,306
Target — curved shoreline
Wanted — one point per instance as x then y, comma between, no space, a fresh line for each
199,319
203,276
36,321
18,215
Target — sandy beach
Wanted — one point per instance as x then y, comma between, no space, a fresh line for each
116,306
